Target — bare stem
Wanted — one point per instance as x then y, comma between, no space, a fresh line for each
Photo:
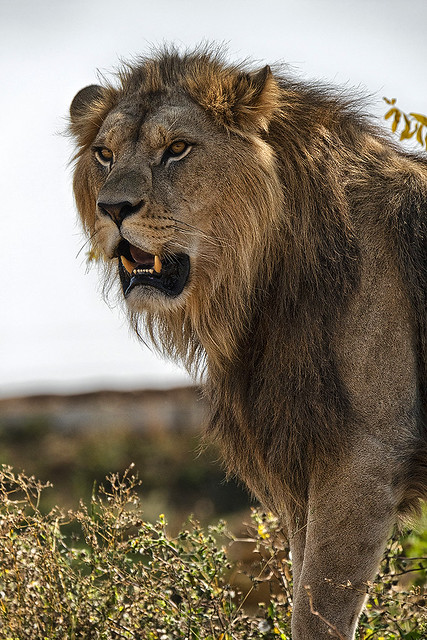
332,628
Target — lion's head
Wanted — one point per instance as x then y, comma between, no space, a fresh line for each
179,192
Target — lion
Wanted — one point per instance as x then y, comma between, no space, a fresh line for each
266,234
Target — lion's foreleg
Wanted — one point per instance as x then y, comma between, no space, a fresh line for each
297,534
350,517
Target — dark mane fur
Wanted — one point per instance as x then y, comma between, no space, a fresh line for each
305,301
279,406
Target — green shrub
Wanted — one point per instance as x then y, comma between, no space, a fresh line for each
123,577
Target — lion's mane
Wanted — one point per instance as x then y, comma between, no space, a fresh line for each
261,320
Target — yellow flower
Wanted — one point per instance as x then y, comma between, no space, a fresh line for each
262,531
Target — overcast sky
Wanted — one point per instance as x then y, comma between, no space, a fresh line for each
56,332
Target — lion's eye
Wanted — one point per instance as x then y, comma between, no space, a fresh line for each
176,148
176,151
104,156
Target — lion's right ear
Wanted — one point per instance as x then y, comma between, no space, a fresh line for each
83,99
88,110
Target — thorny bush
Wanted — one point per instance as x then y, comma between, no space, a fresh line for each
122,577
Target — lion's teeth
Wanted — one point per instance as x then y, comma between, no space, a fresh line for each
129,266
137,271
132,270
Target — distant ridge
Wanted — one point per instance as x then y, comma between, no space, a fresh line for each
139,409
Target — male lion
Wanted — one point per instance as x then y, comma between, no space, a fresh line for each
266,233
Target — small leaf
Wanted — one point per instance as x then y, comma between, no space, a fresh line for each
392,101
420,118
390,113
94,255
396,120
420,134
412,635
407,133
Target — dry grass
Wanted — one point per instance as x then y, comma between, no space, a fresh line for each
122,577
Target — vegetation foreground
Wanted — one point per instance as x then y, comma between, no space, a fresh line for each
102,572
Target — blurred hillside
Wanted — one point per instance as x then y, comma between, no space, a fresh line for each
142,410
74,440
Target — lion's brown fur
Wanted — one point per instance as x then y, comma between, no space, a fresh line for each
314,208
295,260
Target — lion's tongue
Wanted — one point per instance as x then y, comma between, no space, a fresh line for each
141,257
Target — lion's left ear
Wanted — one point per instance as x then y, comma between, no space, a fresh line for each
242,102
257,98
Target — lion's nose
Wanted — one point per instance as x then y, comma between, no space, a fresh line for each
118,211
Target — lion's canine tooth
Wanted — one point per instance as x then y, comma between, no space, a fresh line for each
157,264
129,266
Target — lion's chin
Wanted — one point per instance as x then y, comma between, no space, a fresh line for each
167,282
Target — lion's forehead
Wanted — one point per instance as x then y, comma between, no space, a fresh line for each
156,126
119,125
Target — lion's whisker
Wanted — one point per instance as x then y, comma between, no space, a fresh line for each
86,243
199,232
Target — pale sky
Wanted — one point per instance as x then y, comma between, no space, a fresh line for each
57,334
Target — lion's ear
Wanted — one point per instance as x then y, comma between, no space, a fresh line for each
258,98
242,102
83,99
88,110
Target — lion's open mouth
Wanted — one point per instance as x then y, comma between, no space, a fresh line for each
168,274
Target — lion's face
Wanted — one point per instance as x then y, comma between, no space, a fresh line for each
152,179
177,188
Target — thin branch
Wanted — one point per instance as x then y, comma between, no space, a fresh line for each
319,615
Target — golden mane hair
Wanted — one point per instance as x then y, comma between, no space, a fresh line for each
306,305
295,261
